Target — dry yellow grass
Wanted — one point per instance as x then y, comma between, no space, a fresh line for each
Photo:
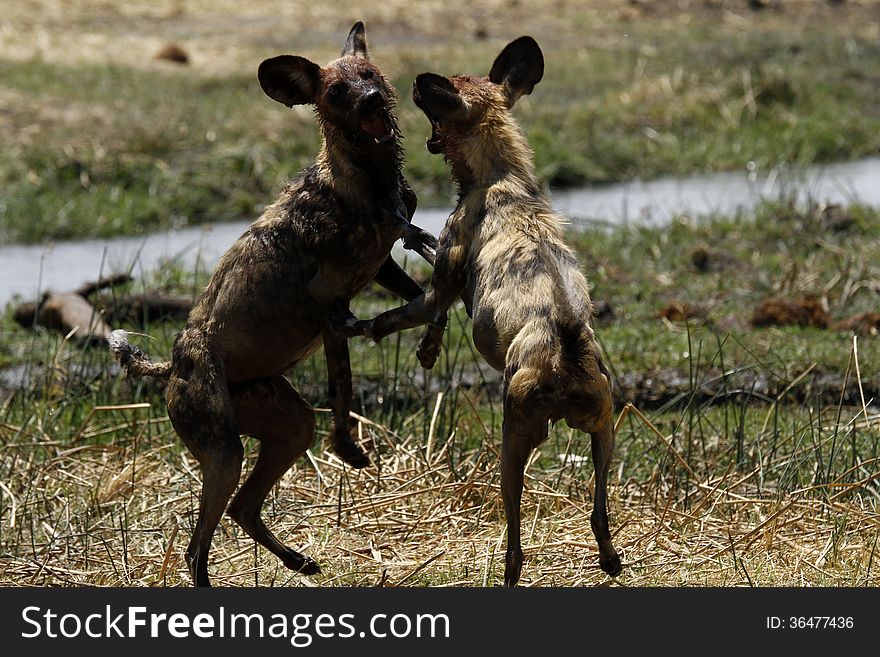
120,514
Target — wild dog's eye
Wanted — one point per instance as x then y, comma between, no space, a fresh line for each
336,90
367,74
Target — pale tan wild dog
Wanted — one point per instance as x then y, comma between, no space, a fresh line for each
282,290
503,250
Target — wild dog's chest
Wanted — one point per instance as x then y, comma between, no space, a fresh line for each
368,235
348,243
364,237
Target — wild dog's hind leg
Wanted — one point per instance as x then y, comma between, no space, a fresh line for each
524,428
591,410
274,413
221,469
602,448
199,408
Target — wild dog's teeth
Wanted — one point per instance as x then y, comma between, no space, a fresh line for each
385,138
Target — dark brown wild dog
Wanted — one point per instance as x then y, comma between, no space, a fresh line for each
284,288
503,249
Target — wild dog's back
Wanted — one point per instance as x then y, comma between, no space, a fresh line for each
522,274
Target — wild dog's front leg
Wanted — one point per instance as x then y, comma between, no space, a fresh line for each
323,289
409,198
416,313
450,276
392,277
339,382
429,308
414,238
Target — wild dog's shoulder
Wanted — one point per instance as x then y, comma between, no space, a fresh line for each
512,214
464,223
305,206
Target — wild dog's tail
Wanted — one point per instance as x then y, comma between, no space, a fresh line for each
133,360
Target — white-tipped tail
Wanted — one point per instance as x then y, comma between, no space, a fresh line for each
133,360
118,341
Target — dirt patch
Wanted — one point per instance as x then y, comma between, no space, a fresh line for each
861,324
784,311
172,52
681,311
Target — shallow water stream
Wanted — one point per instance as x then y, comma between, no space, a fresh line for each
27,270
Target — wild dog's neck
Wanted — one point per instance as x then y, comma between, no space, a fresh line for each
497,152
356,171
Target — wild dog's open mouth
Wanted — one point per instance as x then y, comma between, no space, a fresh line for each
378,126
435,142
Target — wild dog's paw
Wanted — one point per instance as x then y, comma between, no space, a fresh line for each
351,327
348,451
427,353
429,346
364,328
308,567
300,563
370,329
341,322
414,236
610,563
420,241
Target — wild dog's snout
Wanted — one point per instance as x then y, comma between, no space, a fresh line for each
375,119
371,102
437,97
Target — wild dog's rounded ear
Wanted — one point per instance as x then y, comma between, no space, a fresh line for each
519,67
290,80
356,43
436,96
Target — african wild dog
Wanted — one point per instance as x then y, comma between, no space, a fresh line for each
503,249
281,290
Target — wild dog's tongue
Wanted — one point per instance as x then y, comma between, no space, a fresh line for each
375,127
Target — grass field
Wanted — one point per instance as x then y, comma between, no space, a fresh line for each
745,456
104,139
751,459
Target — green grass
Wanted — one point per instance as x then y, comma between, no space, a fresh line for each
107,149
